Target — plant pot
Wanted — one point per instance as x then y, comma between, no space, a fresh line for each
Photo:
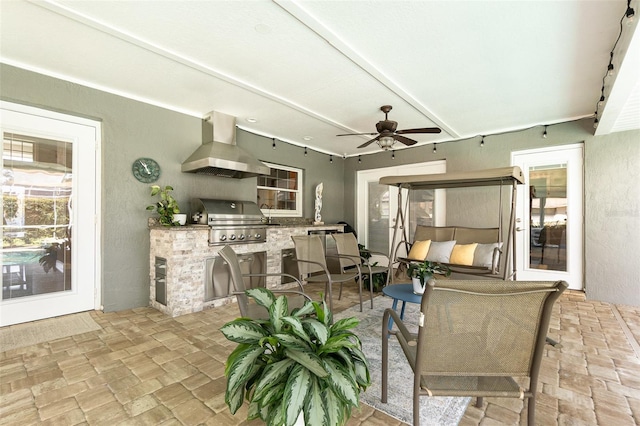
181,218
418,287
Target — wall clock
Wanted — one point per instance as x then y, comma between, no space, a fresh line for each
146,170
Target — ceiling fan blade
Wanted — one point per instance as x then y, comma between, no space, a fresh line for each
404,140
423,130
356,134
369,142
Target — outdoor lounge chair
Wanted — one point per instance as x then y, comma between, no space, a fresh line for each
476,338
295,298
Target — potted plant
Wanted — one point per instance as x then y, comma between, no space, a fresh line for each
421,272
166,206
294,365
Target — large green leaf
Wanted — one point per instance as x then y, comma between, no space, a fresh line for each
234,398
314,408
272,374
336,343
344,324
309,360
277,311
306,309
293,342
296,327
233,356
342,382
263,297
241,369
317,329
273,394
334,406
275,416
363,377
243,330
295,393
254,410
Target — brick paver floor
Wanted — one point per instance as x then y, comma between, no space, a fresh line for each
144,368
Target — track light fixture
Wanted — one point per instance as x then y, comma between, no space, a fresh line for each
393,154
305,151
273,145
595,123
359,159
434,148
331,159
544,134
482,142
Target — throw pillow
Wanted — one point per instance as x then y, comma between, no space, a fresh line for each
483,255
440,251
419,250
462,254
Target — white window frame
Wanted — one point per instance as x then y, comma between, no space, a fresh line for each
271,212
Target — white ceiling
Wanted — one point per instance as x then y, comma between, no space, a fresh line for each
321,68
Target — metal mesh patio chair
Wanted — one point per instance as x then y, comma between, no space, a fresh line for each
347,247
476,338
312,266
295,299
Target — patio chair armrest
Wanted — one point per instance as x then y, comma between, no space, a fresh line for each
379,253
410,338
275,274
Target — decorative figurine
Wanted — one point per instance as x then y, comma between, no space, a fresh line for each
318,217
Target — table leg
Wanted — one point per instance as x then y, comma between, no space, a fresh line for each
394,306
402,311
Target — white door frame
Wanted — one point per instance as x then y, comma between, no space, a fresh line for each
85,293
573,156
363,177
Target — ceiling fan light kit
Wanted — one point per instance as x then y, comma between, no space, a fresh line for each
387,134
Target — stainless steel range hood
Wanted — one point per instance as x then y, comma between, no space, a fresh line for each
219,155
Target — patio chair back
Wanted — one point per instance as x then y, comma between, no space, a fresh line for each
347,245
237,281
310,247
476,337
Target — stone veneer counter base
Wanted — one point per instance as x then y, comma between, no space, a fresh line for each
186,249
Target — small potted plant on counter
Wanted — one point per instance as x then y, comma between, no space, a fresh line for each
293,367
166,206
421,272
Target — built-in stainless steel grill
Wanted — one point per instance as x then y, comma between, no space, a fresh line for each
231,222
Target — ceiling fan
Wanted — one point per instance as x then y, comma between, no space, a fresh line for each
387,134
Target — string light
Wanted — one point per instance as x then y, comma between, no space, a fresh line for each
482,142
273,145
544,134
305,151
434,148
630,13
331,158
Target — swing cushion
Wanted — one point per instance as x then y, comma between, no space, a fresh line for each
483,255
440,251
419,250
462,254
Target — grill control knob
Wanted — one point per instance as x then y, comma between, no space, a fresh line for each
223,237
241,237
258,236
232,237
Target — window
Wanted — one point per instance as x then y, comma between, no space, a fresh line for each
16,147
280,194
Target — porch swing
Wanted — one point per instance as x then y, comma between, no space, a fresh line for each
490,256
